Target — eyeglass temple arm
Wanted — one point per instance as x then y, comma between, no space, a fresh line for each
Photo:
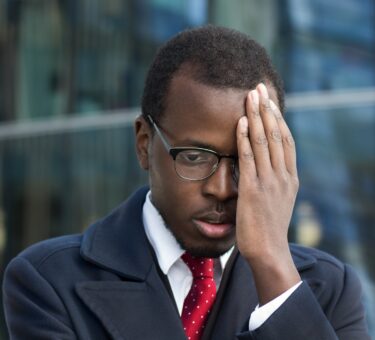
164,141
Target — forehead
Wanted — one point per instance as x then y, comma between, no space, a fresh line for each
193,105
203,114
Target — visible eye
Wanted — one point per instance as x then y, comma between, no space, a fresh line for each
193,156
196,158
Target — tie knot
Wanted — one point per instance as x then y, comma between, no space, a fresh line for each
200,266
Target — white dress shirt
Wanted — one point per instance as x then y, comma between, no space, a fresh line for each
168,253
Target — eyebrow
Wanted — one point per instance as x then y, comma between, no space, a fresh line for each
195,143
191,143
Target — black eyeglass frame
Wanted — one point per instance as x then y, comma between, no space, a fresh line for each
175,150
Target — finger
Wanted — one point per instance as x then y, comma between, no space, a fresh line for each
245,153
272,130
287,140
258,138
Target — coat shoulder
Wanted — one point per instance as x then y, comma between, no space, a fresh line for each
40,252
305,257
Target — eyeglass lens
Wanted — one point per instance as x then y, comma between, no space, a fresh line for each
198,164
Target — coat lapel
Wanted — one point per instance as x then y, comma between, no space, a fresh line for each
133,310
137,305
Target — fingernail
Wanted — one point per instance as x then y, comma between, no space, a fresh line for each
273,106
276,110
254,97
263,90
243,123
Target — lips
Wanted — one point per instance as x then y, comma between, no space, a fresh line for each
214,225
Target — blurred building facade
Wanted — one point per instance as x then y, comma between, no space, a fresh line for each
71,79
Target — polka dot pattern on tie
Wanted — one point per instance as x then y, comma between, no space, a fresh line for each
199,301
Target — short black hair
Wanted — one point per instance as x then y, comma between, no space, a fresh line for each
220,57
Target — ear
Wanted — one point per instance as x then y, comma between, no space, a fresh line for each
143,137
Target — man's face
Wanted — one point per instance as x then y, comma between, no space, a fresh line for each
200,214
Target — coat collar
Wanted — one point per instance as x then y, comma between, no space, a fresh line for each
118,242
301,258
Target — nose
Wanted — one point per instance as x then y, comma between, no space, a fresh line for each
221,184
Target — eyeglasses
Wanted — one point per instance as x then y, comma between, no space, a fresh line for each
194,163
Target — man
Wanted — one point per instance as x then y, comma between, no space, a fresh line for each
202,253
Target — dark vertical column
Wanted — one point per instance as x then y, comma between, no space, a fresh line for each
70,10
8,63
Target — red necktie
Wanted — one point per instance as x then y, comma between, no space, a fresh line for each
198,302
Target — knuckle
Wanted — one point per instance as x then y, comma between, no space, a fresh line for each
266,105
261,140
255,113
278,116
289,140
247,155
276,136
295,182
284,179
268,183
288,181
260,186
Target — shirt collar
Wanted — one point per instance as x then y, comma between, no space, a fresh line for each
166,248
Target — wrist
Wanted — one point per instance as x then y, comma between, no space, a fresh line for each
273,275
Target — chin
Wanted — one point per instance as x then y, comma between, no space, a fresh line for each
212,250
